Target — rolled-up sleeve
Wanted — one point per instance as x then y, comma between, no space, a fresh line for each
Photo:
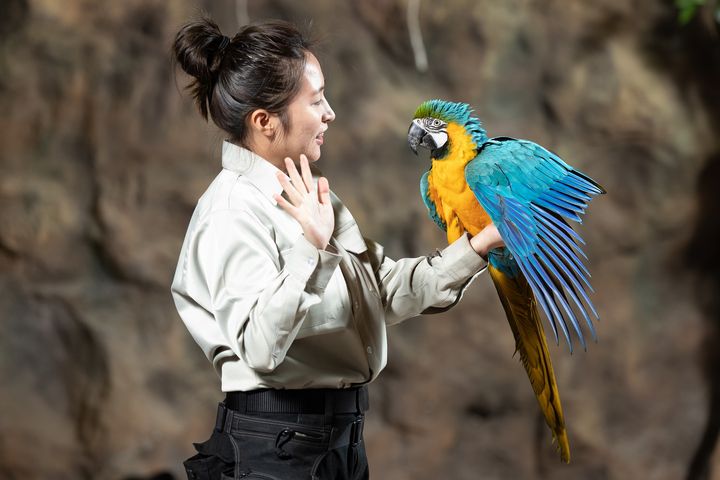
258,303
430,284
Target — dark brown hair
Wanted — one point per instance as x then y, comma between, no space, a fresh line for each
260,67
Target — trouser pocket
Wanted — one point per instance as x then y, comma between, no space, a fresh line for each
346,458
283,455
275,448
210,461
205,467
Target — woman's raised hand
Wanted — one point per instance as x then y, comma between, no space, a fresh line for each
311,207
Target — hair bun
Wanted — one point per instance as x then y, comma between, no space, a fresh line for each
198,49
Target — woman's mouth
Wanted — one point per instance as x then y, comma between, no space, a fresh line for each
319,138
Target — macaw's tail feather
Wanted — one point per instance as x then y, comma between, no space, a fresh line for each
562,444
522,312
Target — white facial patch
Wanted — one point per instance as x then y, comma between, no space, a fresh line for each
437,129
440,138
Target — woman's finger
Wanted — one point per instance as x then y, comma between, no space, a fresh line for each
295,197
295,176
323,191
287,206
306,173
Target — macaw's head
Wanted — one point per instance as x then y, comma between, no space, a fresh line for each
447,129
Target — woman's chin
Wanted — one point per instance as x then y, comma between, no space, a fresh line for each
313,154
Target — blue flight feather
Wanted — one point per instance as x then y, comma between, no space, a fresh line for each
529,192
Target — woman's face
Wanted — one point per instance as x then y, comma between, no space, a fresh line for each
309,114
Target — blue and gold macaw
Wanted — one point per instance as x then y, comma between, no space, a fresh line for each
529,193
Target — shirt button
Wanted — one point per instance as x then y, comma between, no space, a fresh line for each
356,304
309,261
369,350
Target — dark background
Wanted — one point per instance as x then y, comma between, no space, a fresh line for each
102,159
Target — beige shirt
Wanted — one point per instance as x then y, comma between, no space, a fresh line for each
270,310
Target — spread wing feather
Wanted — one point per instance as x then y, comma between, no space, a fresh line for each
530,194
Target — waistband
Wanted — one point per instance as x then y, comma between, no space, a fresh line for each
326,401
341,431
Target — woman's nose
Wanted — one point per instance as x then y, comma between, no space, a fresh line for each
329,114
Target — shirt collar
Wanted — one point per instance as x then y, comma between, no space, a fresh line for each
346,230
259,171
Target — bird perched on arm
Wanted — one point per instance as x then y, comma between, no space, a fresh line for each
529,193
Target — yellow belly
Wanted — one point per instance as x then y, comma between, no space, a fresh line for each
456,203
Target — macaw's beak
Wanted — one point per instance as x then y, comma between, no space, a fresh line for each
418,136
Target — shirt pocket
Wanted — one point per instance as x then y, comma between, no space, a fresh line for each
333,313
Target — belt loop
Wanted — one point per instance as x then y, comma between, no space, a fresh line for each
229,419
220,418
356,431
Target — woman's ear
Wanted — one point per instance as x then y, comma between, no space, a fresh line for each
264,123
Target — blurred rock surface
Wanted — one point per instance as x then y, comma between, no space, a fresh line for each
102,159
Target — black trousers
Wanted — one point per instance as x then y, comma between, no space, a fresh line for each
282,446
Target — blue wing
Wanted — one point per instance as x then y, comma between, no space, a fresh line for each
425,194
529,193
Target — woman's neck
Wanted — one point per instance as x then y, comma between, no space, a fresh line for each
266,150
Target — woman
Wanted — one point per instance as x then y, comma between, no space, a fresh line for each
282,292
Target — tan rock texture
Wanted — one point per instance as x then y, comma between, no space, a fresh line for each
102,158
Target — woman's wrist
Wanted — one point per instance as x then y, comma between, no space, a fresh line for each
479,244
487,239
319,243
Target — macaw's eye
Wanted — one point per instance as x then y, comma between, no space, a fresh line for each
436,122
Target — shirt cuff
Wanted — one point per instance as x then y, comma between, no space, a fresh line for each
459,260
329,261
311,266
